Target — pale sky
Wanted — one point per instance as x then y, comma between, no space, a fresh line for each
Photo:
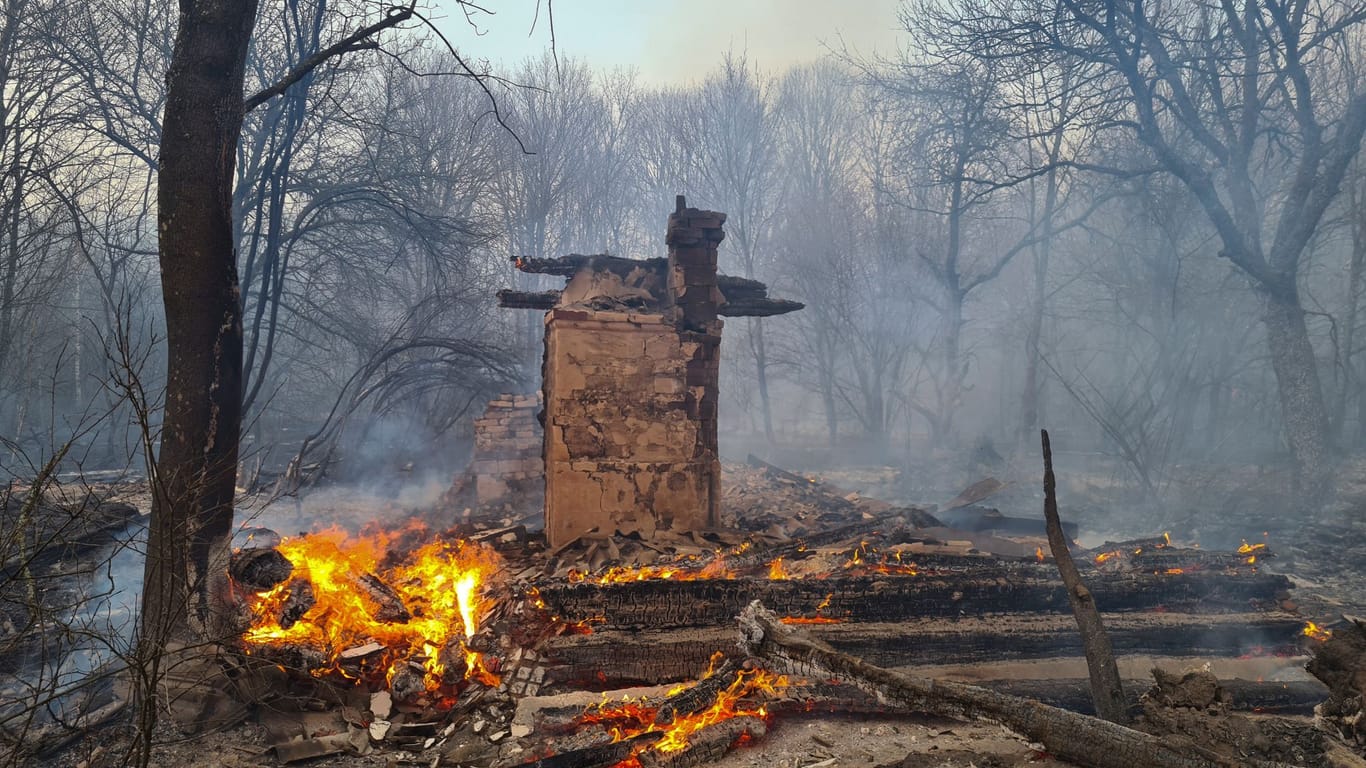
676,41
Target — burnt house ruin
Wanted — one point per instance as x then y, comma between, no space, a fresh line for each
630,381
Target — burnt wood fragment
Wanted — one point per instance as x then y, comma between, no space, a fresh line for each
707,745
259,568
510,299
698,697
299,601
388,605
596,756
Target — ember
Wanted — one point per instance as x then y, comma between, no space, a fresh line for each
420,608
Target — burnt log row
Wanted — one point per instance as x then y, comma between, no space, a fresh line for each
1084,740
660,604
609,659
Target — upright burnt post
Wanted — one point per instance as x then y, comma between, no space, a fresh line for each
693,238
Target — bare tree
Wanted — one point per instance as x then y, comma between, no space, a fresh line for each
1251,105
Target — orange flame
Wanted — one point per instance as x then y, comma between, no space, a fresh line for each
1315,631
1102,557
633,717
1038,554
775,570
440,584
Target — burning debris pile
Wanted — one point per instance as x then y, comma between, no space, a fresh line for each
437,640
401,611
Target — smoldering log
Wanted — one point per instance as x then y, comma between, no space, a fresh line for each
595,756
1086,740
299,600
698,697
259,568
706,745
664,603
389,607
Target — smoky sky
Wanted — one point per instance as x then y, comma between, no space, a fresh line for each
674,42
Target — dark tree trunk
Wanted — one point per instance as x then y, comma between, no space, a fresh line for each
1302,404
187,557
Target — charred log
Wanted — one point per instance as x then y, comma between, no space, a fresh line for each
299,601
698,697
707,745
595,756
259,568
388,605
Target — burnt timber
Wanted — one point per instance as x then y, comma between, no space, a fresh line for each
663,604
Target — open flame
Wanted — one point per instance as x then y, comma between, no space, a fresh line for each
629,718
419,608
1316,632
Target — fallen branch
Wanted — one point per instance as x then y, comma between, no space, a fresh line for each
1084,740
1106,689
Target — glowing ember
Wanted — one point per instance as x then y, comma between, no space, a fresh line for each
439,587
1102,557
632,717
810,620
1315,631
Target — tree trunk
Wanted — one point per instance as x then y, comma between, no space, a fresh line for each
187,557
1302,405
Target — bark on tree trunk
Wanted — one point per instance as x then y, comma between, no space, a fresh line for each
187,557
1302,404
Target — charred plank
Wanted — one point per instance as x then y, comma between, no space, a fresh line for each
510,299
711,602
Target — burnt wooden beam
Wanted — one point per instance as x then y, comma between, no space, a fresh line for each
662,603
609,659
758,307
566,266
510,299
